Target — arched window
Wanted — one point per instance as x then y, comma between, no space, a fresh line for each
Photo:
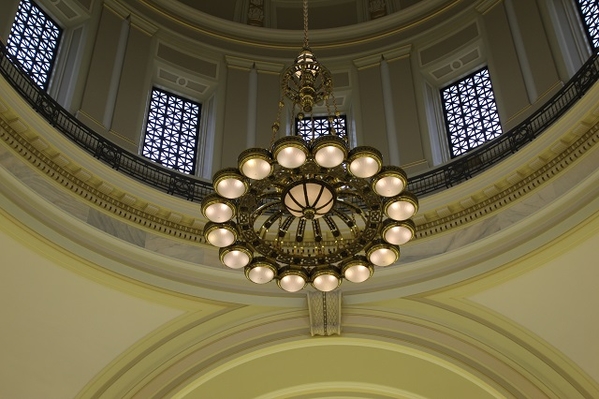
171,136
471,116
33,41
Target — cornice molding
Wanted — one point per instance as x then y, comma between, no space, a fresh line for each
389,55
99,193
211,33
462,207
123,205
452,216
248,64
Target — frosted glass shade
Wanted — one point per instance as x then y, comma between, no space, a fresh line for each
255,163
217,209
292,283
292,279
382,254
329,156
326,283
365,162
357,270
290,152
329,151
401,207
390,181
260,271
219,212
229,183
398,233
220,234
235,256
310,198
326,280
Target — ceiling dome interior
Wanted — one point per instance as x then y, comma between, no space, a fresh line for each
287,14
110,290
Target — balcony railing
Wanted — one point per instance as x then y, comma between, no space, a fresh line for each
194,189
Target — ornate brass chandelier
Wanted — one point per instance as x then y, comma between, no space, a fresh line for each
309,212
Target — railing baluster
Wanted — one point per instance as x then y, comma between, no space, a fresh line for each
194,189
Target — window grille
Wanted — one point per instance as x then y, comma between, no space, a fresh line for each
471,116
589,11
312,128
172,131
33,41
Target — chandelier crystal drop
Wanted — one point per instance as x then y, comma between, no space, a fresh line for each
309,212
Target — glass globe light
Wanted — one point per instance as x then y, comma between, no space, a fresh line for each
292,279
260,271
290,151
255,163
220,234
364,162
329,151
390,181
398,233
357,269
217,209
326,279
235,256
381,253
401,207
309,198
229,183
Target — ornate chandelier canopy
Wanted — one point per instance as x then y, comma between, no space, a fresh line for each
309,212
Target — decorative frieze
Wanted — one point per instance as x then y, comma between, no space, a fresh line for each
256,13
377,8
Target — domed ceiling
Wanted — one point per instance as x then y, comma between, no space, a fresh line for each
338,28
110,292
286,14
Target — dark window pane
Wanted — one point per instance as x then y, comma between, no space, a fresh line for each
471,115
33,40
172,131
312,128
589,10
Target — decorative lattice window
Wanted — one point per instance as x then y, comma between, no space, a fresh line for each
471,116
33,41
312,128
589,11
172,131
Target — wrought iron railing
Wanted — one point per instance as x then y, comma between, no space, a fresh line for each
491,153
194,189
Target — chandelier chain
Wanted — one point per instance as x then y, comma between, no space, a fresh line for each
331,117
276,126
306,45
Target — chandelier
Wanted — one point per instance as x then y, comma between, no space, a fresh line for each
309,211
